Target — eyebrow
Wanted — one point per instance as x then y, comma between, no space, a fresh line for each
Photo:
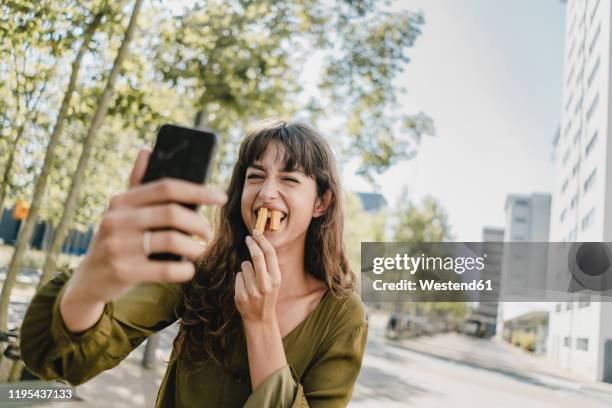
257,166
260,167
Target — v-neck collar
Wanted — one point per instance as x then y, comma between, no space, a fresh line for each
310,315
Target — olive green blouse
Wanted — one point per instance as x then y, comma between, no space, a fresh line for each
324,352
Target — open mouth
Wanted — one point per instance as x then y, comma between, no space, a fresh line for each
269,220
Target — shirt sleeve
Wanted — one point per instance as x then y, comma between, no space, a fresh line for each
328,383
52,352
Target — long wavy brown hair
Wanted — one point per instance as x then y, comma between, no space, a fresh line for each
209,315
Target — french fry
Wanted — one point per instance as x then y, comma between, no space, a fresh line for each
262,218
275,221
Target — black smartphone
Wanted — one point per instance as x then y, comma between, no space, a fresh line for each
181,153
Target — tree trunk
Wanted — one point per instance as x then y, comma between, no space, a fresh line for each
6,177
41,183
88,143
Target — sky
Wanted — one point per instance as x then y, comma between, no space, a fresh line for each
489,73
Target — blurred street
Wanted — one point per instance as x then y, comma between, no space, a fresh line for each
460,371
439,371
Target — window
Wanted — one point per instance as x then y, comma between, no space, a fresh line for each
576,168
558,308
567,128
570,76
594,40
588,219
522,203
591,144
593,106
568,305
574,201
518,238
582,343
572,25
590,181
594,10
572,235
579,81
578,104
593,72
566,156
567,341
520,220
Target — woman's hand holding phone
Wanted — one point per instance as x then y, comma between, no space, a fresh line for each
116,259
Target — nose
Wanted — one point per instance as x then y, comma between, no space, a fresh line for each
269,190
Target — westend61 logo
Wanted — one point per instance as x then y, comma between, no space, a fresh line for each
413,264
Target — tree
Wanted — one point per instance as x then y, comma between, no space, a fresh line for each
427,222
39,190
27,72
241,60
422,226
361,226
88,144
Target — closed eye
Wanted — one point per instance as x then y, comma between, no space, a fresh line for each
253,176
291,179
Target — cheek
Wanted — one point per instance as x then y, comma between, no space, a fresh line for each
246,203
301,208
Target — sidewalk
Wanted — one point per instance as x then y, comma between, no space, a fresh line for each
128,385
502,358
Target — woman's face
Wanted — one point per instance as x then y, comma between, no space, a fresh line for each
293,193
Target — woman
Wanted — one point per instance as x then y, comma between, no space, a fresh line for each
266,320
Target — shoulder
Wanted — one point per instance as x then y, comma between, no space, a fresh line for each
344,313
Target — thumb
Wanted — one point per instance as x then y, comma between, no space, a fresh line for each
140,165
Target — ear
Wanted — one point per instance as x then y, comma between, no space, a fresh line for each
322,204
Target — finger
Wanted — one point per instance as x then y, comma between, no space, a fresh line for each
164,216
139,168
175,243
269,255
169,190
249,279
240,293
133,244
164,271
257,256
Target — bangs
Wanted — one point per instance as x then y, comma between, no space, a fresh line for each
297,151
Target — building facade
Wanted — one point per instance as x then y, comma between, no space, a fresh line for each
527,219
580,332
485,313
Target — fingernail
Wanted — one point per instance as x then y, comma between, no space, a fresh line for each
256,232
247,238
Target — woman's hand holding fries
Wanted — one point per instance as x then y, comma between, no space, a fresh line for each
257,286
